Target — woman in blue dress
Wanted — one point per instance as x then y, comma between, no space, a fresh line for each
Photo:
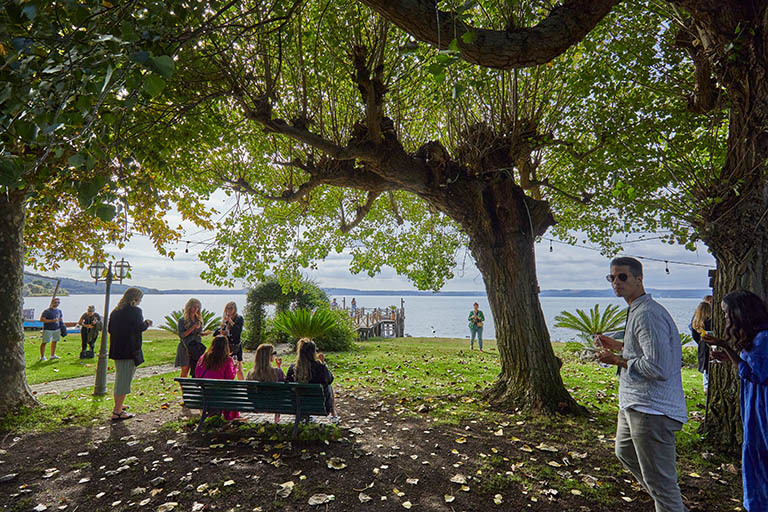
746,327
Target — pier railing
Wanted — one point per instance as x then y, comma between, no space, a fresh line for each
387,322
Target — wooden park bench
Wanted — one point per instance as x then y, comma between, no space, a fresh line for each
214,395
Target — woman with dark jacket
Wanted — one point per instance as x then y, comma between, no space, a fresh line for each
310,368
126,323
232,327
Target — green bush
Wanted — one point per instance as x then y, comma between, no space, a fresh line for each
691,357
305,294
272,334
303,323
340,337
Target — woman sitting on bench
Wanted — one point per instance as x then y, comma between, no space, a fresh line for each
263,370
216,363
310,368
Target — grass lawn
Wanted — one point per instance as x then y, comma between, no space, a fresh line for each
159,348
436,386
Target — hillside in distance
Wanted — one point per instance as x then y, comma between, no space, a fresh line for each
75,286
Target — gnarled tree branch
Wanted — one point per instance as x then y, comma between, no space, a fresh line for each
362,211
566,25
585,198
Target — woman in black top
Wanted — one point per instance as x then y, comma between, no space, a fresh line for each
702,322
310,368
126,323
232,328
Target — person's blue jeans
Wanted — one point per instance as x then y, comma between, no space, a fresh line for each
476,331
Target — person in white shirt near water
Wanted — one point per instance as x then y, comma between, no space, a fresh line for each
651,401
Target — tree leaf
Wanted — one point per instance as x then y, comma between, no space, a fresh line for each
163,65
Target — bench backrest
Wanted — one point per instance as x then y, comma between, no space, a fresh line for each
253,396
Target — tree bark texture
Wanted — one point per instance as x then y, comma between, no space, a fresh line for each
14,391
502,225
736,229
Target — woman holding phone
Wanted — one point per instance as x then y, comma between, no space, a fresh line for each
190,347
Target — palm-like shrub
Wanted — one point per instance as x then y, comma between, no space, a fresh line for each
339,337
210,320
593,322
303,323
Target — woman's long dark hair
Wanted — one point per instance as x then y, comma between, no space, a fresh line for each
307,355
217,354
745,316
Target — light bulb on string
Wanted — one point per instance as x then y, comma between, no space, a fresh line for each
666,263
550,246
187,248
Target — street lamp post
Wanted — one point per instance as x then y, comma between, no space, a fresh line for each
101,272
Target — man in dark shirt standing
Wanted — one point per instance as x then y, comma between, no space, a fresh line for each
52,320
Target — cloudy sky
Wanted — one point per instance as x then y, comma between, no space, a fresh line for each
563,267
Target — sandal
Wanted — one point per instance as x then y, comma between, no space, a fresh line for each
122,416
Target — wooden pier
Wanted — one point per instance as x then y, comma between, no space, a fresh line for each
381,322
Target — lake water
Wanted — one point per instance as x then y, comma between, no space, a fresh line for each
444,317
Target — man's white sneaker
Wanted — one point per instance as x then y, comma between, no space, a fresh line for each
43,358
54,356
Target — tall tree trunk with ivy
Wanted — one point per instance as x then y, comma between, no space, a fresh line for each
14,391
735,222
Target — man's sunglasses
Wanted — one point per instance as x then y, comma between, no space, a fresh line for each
611,278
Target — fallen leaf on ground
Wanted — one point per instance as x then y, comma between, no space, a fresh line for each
286,489
498,499
458,478
449,498
336,463
320,499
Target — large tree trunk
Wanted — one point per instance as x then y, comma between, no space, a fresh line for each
503,225
736,229
14,390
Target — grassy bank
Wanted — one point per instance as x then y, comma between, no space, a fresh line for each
441,374
159,348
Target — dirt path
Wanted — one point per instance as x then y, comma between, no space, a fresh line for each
62,386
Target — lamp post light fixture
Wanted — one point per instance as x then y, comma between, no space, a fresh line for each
100,272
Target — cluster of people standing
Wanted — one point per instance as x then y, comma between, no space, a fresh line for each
223,359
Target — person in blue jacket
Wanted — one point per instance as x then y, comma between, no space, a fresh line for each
746,345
